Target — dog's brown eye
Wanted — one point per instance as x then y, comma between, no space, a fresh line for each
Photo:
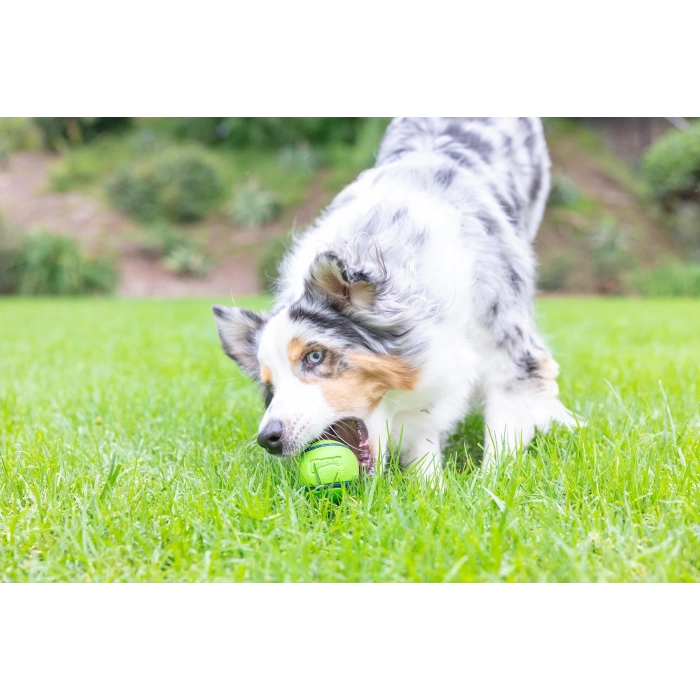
315,357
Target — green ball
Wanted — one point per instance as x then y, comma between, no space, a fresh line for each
326,465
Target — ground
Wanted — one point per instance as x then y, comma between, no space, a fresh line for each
27,201
127,453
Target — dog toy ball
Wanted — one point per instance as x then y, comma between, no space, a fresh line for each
325,466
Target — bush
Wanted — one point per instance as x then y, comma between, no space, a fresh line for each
675,280
10,259
263,132
187,259
160,238
563,192
299,157
52,264
610,257
18,134
176,252
181,185
133,190
671,167
59,131
686,223
554,272
189,185
254,206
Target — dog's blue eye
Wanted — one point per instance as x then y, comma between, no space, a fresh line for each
315,357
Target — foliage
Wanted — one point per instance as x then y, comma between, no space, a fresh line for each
11,243
271,259
671,166
300,156
686,223
555,271
60,131
563,191
189,185
609,255
253,205
187,259
18,134
161,237
177,252
674,280
50,264
126,456
179,184
134,191
262,132
348,161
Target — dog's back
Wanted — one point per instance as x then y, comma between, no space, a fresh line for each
507,153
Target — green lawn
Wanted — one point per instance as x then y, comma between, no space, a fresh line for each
127,454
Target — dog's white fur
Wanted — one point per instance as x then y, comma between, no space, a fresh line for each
439,234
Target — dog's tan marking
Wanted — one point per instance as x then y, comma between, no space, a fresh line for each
362,383
362,387
265,374
295,350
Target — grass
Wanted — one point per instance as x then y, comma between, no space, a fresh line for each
125,443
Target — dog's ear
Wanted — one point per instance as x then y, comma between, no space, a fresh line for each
330,277
239,331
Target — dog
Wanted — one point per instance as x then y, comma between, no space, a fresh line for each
410,301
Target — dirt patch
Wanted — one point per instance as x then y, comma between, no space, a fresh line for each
27,202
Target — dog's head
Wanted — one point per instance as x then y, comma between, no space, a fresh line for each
322,362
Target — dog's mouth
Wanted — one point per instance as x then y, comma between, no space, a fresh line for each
353,433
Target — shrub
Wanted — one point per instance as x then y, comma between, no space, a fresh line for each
134,191
189,185
100,275
671,167
181,185
254,206
18,134
10,259
554,272
686,223
52,264
176,252
59,131
160,238
610,257
674,280
187,259
563,192
271,259
263,132
299,157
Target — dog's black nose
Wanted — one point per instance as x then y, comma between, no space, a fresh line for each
270,437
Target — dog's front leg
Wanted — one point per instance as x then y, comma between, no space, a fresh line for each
422,456
514,413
